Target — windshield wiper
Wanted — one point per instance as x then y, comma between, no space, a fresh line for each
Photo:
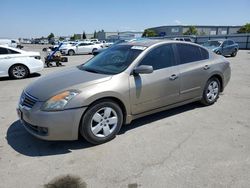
90,70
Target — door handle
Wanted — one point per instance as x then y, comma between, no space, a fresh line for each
173,77
206,67
7,57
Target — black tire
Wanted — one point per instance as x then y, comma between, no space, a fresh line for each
18,71
210,100
71,52
87,122
93,51
234,53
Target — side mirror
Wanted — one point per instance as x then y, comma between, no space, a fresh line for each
143,69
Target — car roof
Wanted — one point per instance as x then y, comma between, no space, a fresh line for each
146,42
151,42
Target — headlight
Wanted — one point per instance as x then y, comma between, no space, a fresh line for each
58,102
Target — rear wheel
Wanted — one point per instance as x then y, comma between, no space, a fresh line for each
18,71
101,122
71,52
211,91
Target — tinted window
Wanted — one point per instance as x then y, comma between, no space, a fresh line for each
3,51
160,57
204,53
189,53
225,43
13,51
230,42
187,39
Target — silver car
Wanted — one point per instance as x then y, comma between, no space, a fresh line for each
125,82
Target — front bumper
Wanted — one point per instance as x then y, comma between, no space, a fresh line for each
64,52
58,125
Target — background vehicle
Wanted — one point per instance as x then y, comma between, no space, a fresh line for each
223,47
63,45
125,82
187,39
18,63
8,42
80,48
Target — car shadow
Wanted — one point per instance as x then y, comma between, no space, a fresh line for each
158,116
33,75
24,143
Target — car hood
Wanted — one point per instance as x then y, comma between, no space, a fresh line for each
74,78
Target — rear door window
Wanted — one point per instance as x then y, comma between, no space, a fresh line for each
190,53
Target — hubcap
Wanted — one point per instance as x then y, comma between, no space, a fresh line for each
19,71
212,91
104,122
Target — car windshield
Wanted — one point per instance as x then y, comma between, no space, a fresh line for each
113,60
213,43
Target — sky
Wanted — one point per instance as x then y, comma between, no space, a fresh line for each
36,18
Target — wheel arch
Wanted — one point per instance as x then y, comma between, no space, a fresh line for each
114,99
220,78
18,64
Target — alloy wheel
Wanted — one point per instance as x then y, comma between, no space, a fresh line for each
212,91
104,122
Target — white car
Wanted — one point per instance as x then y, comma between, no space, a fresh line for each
17,63
80,48
64,45
8,42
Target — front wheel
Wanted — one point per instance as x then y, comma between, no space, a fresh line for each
93,51
211,91
71,52
101,122
18,71
234,53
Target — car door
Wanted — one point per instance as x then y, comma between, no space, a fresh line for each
225,48
193,67
159,88
231,47
80,48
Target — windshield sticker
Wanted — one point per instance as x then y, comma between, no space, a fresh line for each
138,47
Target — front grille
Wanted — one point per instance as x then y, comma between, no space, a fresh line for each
28,100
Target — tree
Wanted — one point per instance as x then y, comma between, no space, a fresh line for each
95,34
244,29
75,37
191,31
51,35
61,38
84,35
149,33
